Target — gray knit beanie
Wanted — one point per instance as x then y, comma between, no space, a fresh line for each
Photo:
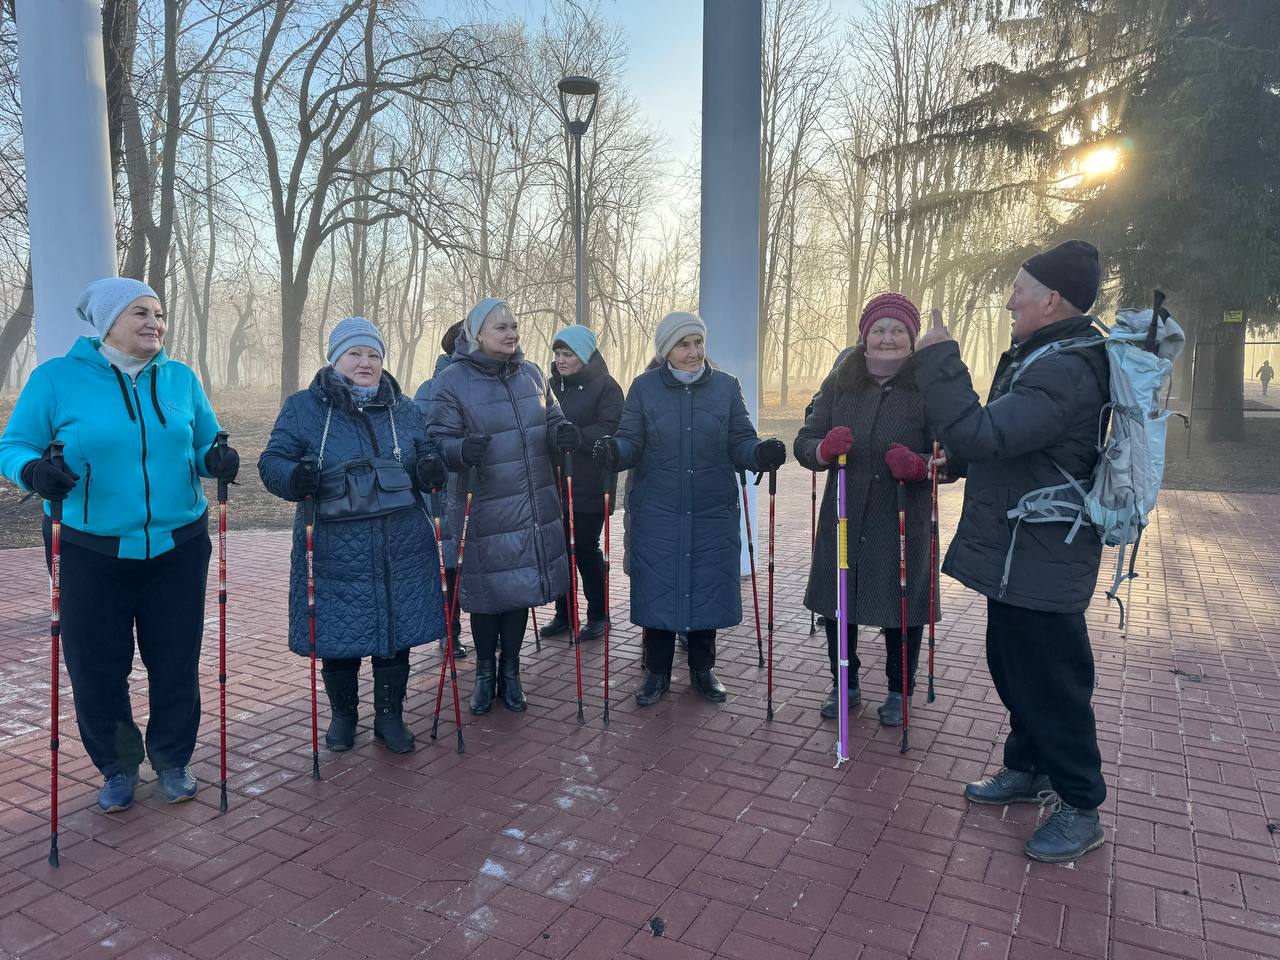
673,328
354,332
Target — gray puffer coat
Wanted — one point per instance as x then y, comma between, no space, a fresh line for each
1009,448
515,554
877,415
685,443
377,580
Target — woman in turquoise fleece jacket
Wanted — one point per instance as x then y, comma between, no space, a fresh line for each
138,433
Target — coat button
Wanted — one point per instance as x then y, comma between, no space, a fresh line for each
877,476
862,539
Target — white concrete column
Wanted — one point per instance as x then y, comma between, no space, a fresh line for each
730,254
68,162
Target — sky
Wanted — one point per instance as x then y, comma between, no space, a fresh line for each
664,73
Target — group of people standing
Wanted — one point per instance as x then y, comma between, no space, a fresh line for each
488,445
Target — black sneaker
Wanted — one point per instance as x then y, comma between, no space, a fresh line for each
557,626
1067,835
1009,786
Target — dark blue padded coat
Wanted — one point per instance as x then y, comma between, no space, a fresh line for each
515,554
685,443
377,581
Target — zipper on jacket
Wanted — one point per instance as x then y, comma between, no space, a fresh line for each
146,477
533,496
88,479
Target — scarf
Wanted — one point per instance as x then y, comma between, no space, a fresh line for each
686,377
126,363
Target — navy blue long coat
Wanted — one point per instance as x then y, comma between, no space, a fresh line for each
377,580
686,443
515,553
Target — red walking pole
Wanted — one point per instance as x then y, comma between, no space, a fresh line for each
221,441
813,538
751,553
609,479
448,631
311,626
773,495
902,596
933,563
55,631
453,609
573,582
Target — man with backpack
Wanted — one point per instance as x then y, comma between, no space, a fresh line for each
1039,423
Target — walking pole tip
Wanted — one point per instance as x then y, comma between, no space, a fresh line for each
53,851
462,747
222,798
315,766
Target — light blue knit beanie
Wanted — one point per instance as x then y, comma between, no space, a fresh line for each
475,319
102,301
578,339
354,332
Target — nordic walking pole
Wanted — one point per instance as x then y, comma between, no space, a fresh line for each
933,562
311,627
537,636
448,629
751,554
453,609
813,538
573,581
609,479
902,597
55,632
842,613
773,495
221,440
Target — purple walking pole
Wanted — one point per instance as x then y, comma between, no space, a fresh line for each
842,613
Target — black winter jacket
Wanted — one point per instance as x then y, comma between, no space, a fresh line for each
592,400
1008,448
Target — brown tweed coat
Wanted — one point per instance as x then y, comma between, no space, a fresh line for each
877,415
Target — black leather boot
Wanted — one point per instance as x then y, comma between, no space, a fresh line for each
654,686
558,625
509,684
389,686
342,687
831,708
482,693
1009,786
708,685
1068,834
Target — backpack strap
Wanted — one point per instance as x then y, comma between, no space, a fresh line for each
1047,505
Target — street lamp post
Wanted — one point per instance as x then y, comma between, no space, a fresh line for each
577,106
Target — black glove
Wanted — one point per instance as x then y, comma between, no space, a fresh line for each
770,455
222,462
305,480
431,473
50,481
605,452
568,437
473,450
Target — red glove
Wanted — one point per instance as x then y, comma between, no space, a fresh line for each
838,441
905,464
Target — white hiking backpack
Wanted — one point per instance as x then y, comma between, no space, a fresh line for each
1140,348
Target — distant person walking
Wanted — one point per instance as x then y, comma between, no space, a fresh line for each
1265,373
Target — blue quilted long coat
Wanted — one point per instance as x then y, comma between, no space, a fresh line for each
685,443
515,554
377,580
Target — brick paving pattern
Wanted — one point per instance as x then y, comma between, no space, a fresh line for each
732,836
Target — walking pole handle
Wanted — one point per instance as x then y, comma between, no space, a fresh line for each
55,452
568,463
773,482
220,441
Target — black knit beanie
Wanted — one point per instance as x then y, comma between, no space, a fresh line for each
1072,269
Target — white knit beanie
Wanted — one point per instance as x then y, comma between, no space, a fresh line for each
673,328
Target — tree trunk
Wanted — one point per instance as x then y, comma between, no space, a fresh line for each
292,302
1226,394
16,328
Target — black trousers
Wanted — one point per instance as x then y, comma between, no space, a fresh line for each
338,664
489,631
1042,666
586,540
892,655
104,600
660,649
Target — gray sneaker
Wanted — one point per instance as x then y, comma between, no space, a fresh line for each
1067,835
1009,786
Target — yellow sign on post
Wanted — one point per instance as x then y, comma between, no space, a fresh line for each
1233,316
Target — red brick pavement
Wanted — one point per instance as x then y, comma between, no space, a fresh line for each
547,839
